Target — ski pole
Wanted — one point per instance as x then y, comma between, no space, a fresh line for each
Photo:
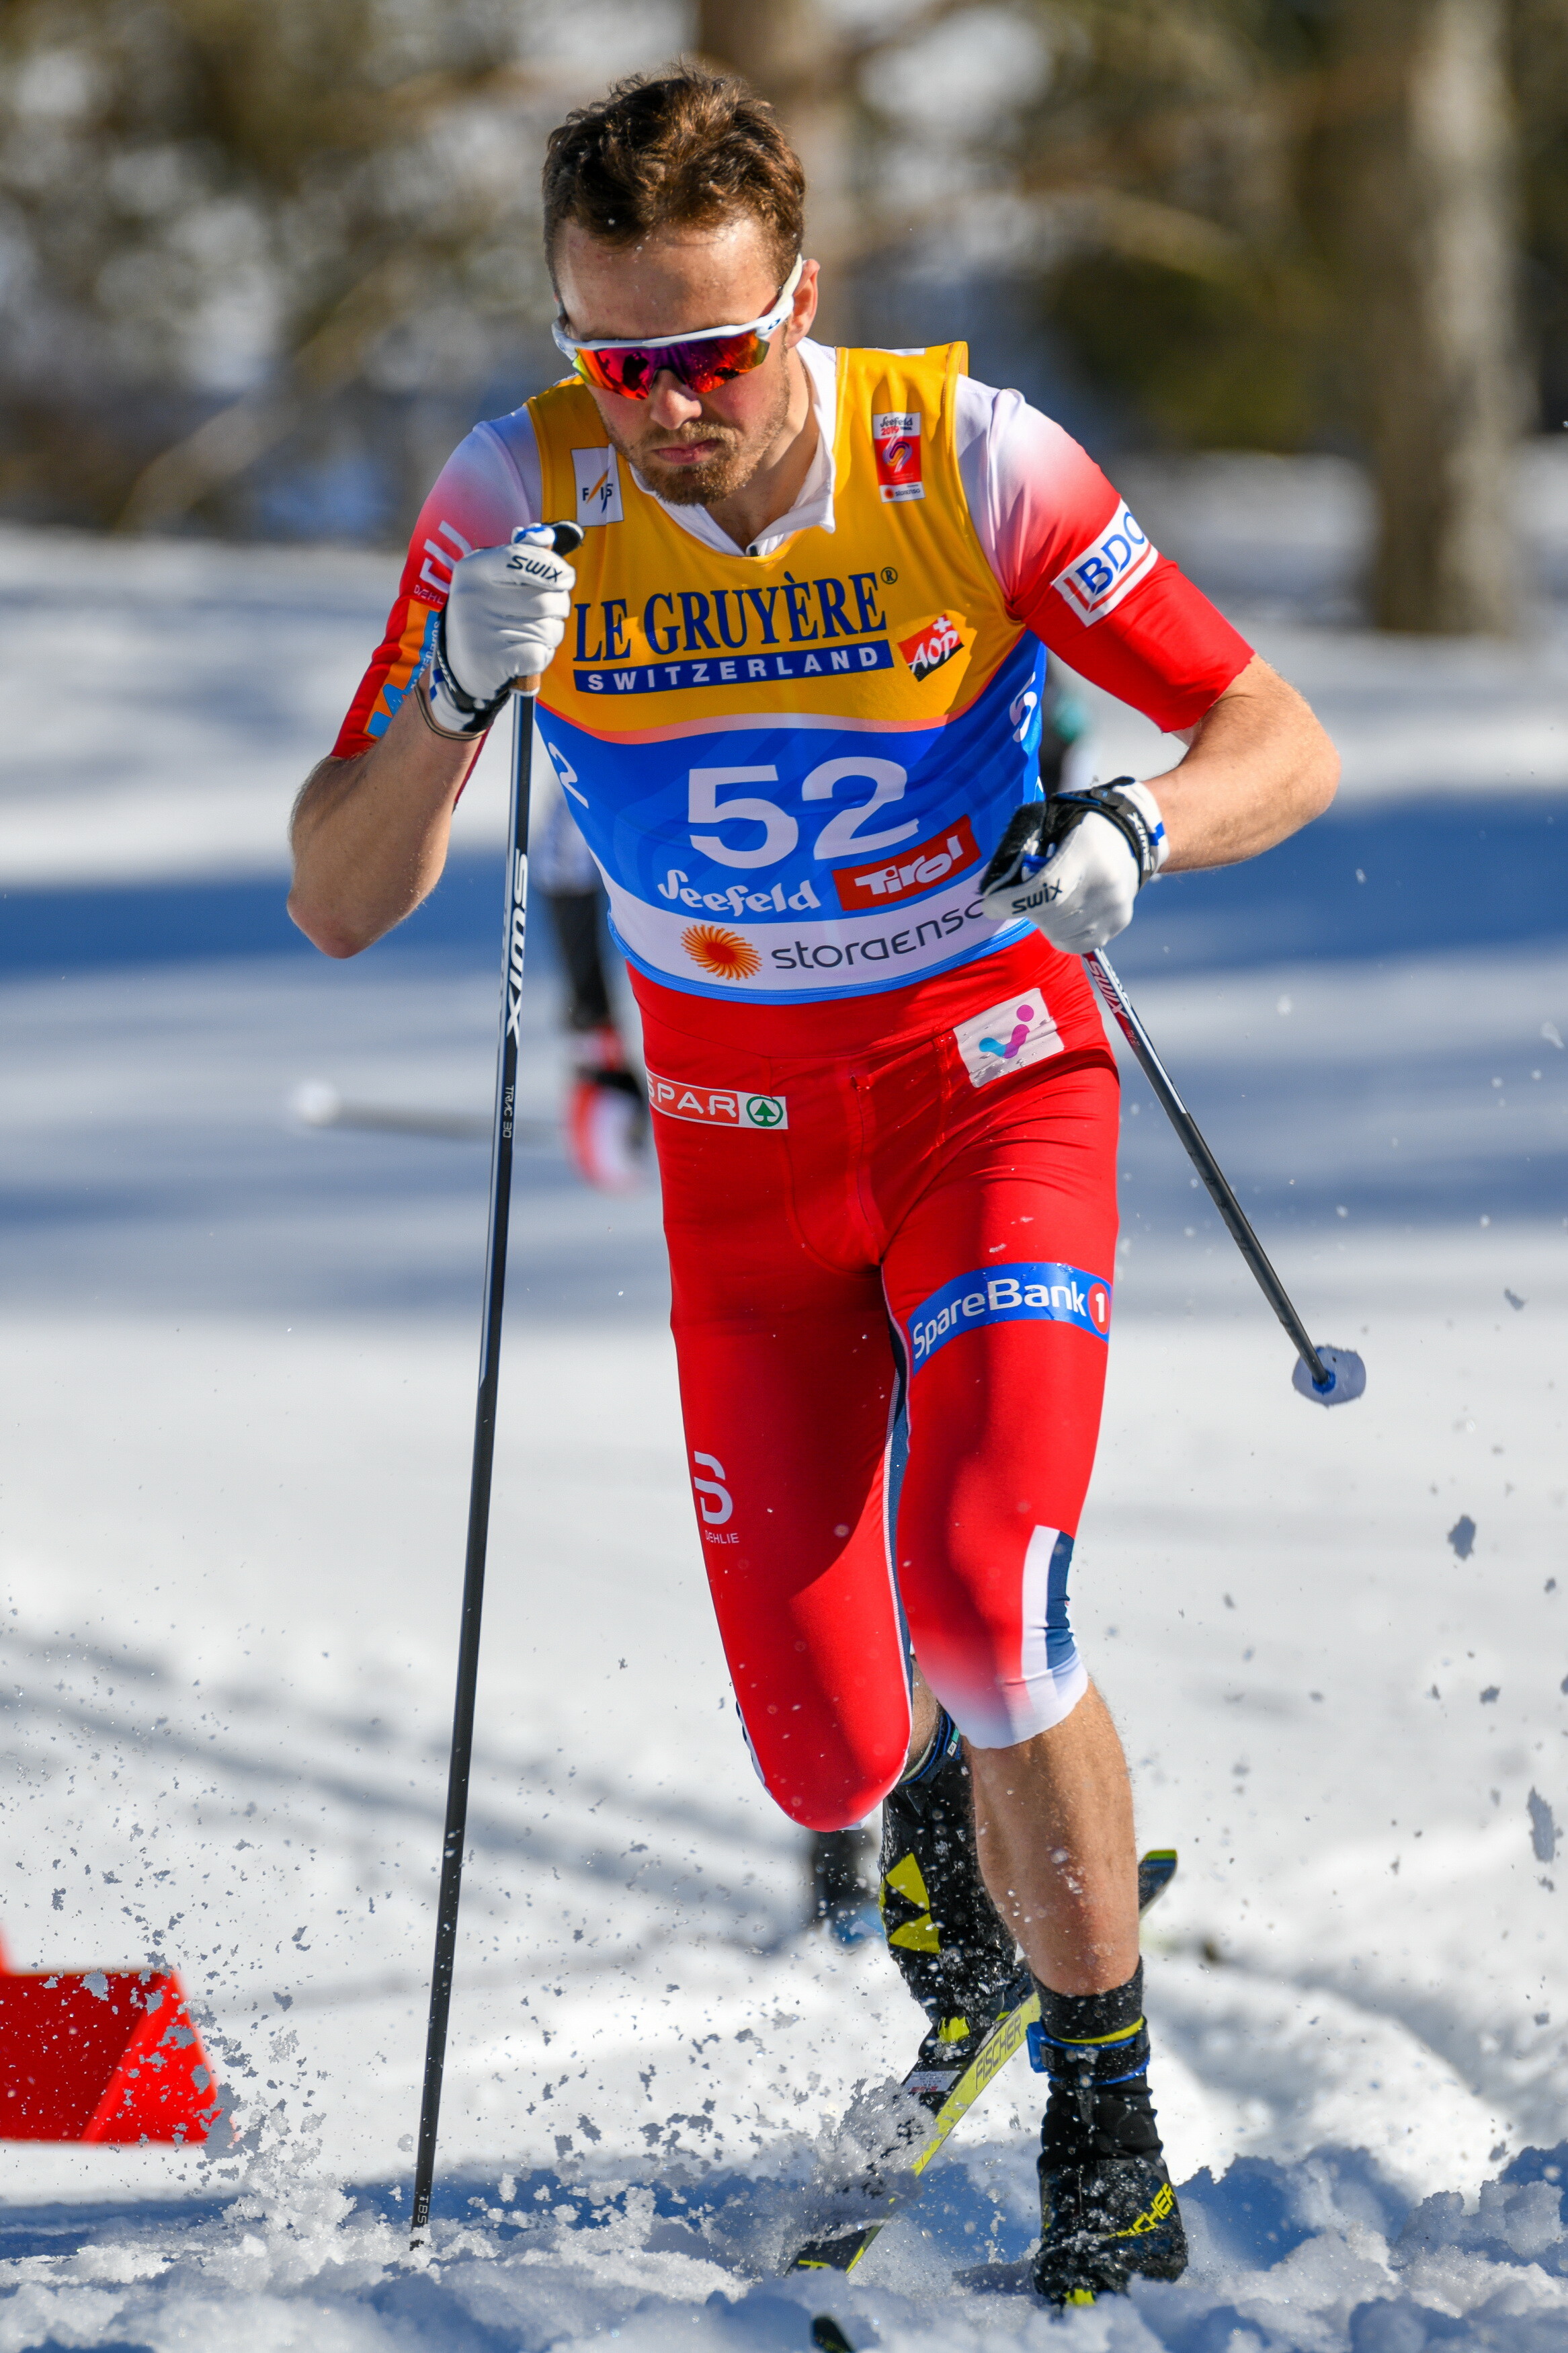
1329,1375
564,537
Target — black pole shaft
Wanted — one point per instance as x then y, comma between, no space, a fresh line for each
456,1831
1124,1015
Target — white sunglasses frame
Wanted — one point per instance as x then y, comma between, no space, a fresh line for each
767,324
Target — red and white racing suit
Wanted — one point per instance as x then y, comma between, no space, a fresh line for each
885,1128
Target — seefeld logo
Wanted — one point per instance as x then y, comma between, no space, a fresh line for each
896,445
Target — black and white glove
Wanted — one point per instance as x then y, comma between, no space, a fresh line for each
1075,865
504,617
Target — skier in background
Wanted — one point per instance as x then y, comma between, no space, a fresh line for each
605,1122
795,708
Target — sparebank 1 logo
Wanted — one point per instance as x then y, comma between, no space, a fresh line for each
598,478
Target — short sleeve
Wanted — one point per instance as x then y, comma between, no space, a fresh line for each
1076,568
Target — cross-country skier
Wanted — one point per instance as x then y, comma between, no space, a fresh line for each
791,684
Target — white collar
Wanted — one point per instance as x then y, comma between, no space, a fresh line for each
813,509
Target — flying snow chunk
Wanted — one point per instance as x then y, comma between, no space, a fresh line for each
1462,1535
1543,1829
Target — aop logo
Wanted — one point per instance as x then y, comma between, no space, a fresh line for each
714,1498
933,643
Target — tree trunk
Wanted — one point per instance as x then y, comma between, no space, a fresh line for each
1427,202
785,49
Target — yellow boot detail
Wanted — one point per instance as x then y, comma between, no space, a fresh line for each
918,1935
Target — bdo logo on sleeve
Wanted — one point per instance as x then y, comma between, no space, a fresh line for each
1097,578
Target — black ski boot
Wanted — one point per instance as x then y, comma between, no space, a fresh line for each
1108,2212
953,1952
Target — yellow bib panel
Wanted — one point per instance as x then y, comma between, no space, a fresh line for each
792,769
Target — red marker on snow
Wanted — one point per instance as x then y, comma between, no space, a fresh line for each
101,2055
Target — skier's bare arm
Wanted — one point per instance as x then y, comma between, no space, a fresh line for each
1260,767
370,833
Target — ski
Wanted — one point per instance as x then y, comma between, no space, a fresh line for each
946,2095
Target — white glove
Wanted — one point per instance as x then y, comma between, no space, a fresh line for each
1075,865
505,615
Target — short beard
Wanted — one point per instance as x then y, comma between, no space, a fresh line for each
718,477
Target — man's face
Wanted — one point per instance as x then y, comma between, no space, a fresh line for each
692,449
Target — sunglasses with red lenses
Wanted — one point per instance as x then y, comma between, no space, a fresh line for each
701,362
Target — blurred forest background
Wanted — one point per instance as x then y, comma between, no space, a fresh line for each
262,265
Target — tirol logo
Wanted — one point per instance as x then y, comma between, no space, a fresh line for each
896,440
914,871
1034,1291
598,477
934,643
716,1106
723,954
1008,1037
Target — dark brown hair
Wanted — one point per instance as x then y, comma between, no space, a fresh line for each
686,149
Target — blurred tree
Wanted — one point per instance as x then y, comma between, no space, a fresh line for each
1288,221
1264,223
1540,30
201,198
1421,125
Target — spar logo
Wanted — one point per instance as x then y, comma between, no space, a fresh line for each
934,643
1034,1291
895,443
716,1106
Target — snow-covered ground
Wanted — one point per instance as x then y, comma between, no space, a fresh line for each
236,1392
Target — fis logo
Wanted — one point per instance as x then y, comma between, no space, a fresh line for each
896,441
598,476
933,644
516,924
1096,581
